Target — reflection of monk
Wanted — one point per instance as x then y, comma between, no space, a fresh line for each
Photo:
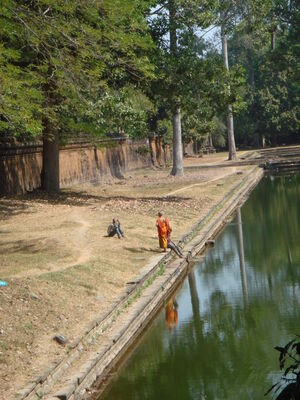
172,314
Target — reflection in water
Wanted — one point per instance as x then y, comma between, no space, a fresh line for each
194,299
242,255
215,347
171,313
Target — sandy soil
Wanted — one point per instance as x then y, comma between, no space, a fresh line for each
62,270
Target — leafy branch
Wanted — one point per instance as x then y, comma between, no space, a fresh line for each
288,386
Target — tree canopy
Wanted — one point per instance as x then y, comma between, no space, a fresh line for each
64,61
136,66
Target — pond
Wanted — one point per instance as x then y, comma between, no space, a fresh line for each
215,337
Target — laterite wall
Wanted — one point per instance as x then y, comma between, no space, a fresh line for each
21,165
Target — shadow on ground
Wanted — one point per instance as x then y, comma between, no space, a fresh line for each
11,206
138,250
27,246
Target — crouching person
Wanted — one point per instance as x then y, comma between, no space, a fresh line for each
115,229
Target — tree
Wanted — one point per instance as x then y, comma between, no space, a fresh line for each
66,57
165,20
232,17
272,90
289,361
179,54
176,117
230,128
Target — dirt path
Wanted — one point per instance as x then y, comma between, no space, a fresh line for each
81,241
220,176
79,244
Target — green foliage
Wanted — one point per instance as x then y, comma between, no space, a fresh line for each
272,75
277,97
219,133
143,150
194,77
60,59
126,110
106,67
165,130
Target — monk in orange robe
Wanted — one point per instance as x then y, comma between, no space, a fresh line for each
163,229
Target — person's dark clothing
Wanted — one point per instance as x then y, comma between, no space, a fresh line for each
173,246
115,229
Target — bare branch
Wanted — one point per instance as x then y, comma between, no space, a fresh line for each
45,12
158,10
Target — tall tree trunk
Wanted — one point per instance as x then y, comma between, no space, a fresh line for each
273,40
50,171
230,128
252,109
177,169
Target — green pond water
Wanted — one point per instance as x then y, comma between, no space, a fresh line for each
215,337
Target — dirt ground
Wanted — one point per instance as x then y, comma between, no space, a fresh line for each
62,271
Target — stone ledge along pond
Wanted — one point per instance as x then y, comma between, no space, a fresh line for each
215,338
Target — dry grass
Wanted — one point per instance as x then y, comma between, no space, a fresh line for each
55,247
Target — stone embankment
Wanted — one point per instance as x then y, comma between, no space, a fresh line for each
90,359
286,159
283,159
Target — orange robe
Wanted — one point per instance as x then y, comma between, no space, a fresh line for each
171,315
163,228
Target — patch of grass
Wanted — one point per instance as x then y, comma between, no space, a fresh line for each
69,224
86,286
140,290
20,261
73,276
3,345
28,326
40,395
90,292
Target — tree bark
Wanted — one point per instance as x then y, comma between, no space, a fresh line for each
252,108
230,127
50,171
273,40
177,169
172,27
